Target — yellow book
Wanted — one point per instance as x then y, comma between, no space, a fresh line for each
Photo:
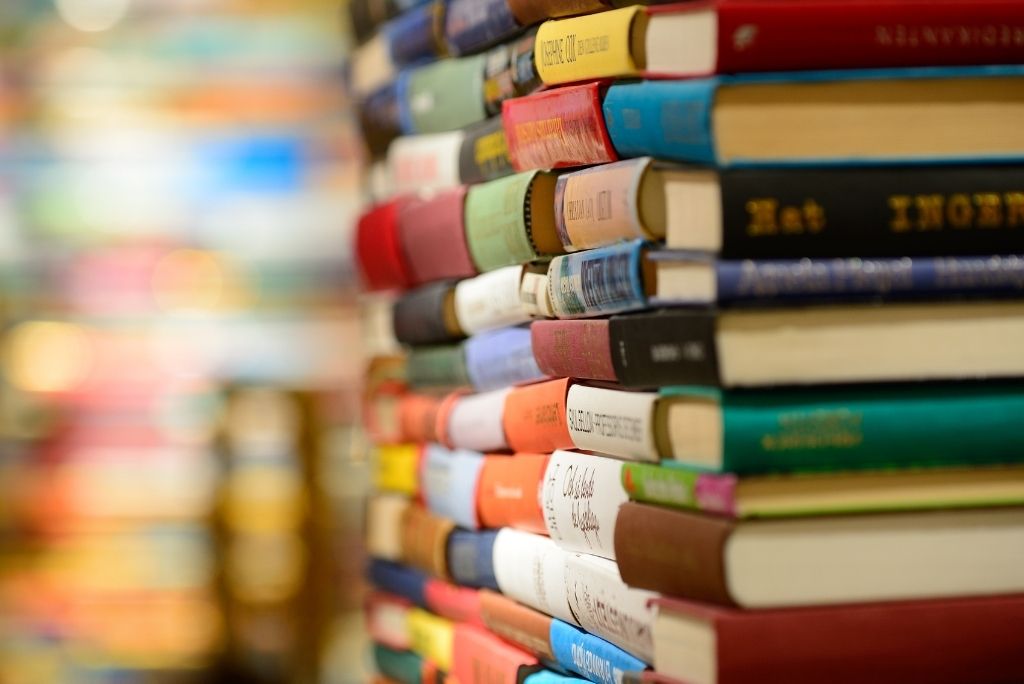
431,637
603,45
396,468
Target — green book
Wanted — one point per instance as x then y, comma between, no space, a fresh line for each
443,96
440,366
842,428
402,666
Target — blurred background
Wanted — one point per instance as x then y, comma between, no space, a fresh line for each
180,472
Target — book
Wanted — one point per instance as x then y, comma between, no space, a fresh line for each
386,620
432,236
812,345
490,301
629,425
804,494
832,429
534,417
378,250
398,579
959,113
508,492
422,163
484,153
558,128
366,15
431,637
501,358
449,483
384,513
471,558
427,315
608,280
820,560
474,421
511,220
795,212
425,539
437,367
459,604
444,96
405,667
396,468
580,496
417,417
482,658
689,39
939,641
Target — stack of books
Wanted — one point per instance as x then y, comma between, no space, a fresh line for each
739,400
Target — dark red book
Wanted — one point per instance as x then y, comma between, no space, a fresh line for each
433,236
580,348
926,642
557,128
378,249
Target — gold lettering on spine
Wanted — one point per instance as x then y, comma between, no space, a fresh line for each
929,212
814,216
762,217
1014,202
990,210
900,220
959,211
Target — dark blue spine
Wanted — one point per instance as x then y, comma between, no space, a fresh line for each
471,558
473,25
400,580
411,36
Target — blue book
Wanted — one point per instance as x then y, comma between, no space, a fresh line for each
823,117
400,580
470,558
473,25
591,656
449,481
411,36
501,358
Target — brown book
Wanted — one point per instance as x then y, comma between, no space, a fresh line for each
770,563
425,541
926,642
525,627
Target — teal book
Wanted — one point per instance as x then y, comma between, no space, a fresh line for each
917,115
402,666
843,428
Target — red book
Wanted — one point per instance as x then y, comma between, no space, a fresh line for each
925,642
557,128
433,236
378,249
483,658
573,349
459,604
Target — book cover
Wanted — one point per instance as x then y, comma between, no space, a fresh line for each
483,657
475,421
431,636
444,96
484,153
509,492
581,495
613,422
579,348
601,281
425,541
441,366
396,468
501,358
490,301
474,25
449,482
590,656
531,569
378,249
384,513
471,558
534,417
459,604
398,579
433,236
421,163
427,315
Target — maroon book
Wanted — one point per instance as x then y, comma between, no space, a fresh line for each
433,237
378,252
573,349
926,642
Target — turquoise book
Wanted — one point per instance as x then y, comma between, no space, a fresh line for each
823,117
842,428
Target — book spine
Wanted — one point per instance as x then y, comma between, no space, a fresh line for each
606,607
664,119
531,569
431,637
680,488
501,358
795,36
366,15
530,12
872,212
598,282
449,482
673,552
557,128
590,656
384,513
484,153
599,206
579,349
588,47
475,422
421,316
404,667
397,468
433,236
425,541
509,72
496,222
490,301
527,628
378,251
509,492
612,422
675,346
421,163
474,25
417,417
459,604
483,658
386,620
400,580
471,558
437,367
799,430
412,35
581,494
816,279
444,96
534,417
379,119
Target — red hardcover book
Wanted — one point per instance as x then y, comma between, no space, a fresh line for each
483,658
378,249
459,604
573,349
779,35
433,236
925,642
557,128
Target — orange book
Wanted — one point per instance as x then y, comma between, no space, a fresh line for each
534,417
514,622
425,541
417,417
483,658
508,492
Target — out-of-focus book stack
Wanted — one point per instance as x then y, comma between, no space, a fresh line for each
764,423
